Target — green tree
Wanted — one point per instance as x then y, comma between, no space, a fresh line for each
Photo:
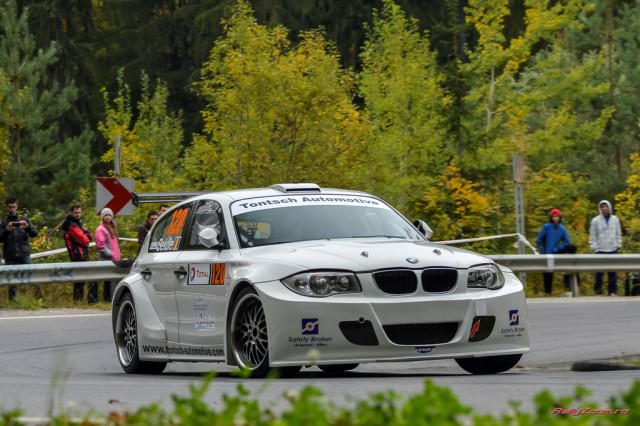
276,111
556,187
496,128
47,164
403,95
530,95
151,146
456,207
158,158
611,29
118,124
627,207
5,153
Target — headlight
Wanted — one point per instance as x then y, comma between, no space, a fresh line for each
485,276
323,283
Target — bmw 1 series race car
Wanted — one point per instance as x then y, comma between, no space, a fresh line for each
296,275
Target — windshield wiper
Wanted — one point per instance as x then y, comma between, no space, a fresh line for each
379,236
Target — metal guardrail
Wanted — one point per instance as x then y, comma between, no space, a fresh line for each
46,273
64,250
51,273
571,263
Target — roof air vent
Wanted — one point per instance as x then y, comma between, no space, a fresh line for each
296,187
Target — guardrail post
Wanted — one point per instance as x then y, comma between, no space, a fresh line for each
574,285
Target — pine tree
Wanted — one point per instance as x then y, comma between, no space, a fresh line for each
48,166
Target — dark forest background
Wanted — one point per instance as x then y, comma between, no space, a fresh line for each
553,81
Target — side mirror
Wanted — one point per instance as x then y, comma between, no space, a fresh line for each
208,237
423,228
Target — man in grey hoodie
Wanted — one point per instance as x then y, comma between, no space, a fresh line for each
605,237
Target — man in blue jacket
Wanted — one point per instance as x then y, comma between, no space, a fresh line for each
553,238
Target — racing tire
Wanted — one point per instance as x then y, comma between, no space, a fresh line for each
249,338
337,368
489,364
127,343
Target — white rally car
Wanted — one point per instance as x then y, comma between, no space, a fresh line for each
296,275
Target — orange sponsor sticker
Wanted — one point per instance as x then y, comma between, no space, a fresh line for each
217,273
177,221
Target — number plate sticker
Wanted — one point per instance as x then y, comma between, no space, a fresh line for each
218,272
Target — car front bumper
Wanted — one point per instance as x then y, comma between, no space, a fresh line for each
376,327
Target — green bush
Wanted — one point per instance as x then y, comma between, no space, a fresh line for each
310,407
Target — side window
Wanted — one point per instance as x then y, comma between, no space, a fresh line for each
208,214
167,234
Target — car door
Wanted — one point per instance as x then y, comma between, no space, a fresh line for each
159,269
201,293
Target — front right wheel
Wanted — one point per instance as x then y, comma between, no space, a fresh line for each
249,338
489,364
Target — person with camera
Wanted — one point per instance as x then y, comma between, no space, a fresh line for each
15,231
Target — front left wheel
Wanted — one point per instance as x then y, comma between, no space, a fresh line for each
126,337
249,338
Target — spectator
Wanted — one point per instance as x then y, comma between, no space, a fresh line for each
143,229
553,238
15,232
107,244
77,239
605,237
163,208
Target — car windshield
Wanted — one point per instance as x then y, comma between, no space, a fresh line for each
277,220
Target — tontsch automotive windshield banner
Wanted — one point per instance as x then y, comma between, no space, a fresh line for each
253,204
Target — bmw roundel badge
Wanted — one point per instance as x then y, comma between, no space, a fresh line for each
412,260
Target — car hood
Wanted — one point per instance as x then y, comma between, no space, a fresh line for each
364,255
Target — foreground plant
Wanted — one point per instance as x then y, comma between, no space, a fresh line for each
309,406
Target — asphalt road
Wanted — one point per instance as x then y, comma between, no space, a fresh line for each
65,360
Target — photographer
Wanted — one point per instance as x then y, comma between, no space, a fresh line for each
15,232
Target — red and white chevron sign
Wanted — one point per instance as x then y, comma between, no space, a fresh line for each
114,193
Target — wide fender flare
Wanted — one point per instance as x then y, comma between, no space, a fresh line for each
150,328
